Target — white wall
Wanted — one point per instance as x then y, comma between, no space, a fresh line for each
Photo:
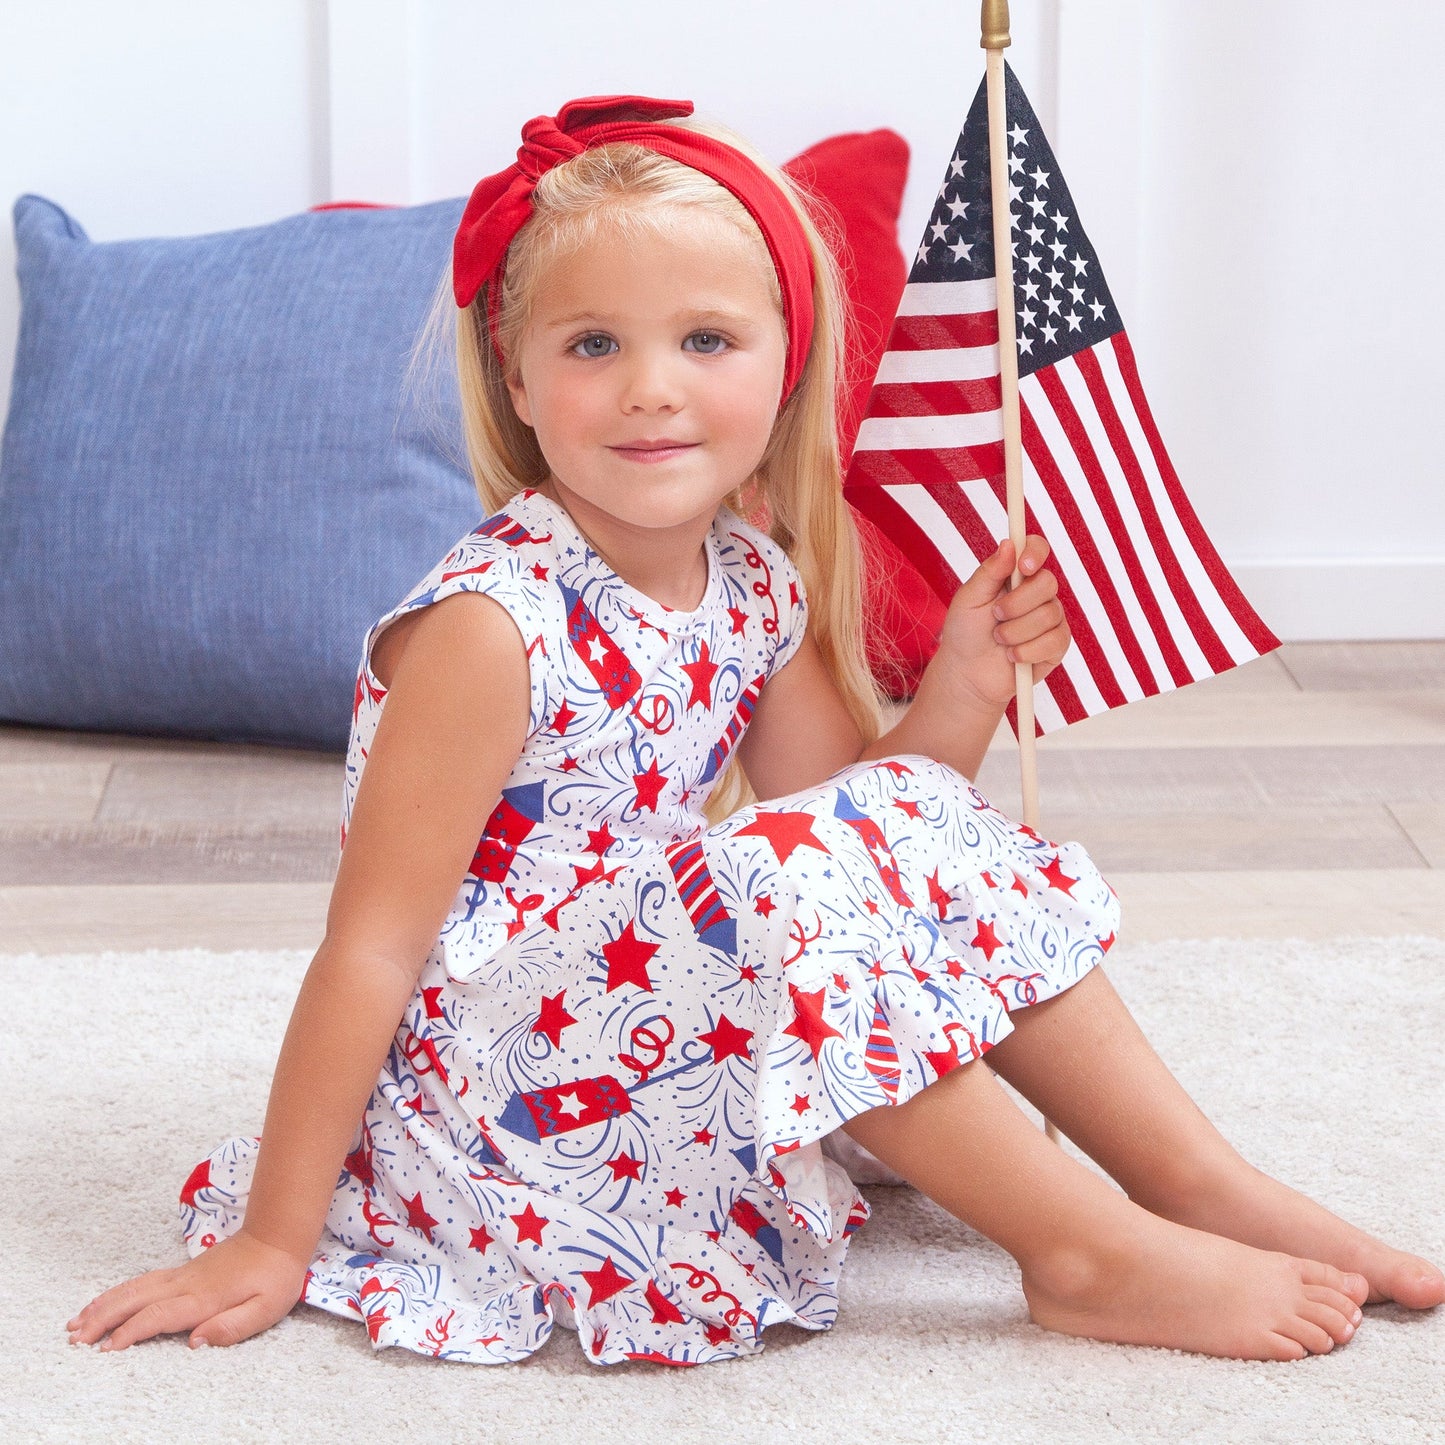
1257,175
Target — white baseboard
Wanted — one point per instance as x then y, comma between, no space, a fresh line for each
1345,599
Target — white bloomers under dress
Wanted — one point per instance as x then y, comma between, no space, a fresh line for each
604,1103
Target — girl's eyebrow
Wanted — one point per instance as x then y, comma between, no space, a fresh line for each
712,314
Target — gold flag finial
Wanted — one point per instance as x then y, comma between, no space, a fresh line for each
994,22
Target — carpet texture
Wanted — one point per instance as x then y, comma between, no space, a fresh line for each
1321,1062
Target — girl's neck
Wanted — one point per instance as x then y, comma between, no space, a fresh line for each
667,564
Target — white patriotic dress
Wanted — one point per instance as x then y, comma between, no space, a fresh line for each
605,1101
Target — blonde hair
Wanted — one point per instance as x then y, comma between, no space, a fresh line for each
795,495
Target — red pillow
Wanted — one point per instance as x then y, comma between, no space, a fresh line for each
862,176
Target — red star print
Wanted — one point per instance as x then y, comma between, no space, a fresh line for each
564,716
870,905
429,997
800,1104
987,940
876,968
599,840
718,1334
1058,878
808,1023
954,968
605,1282
529,1224
674,1197
899,770
942,1063
539,572
481,1239
988,879
840,983
764,904
747,971
1107,943
624,1166
1019,886
649,785
703,1136
702,673
726,1038
568,763
785,831
627,957
664,1312
553,1018
740,620
596,873
417,1217
937,895
908,806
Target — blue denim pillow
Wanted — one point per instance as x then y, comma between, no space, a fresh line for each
213,479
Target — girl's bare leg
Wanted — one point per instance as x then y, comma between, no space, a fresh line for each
1082,1059
1094,1263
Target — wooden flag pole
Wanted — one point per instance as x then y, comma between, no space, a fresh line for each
994,23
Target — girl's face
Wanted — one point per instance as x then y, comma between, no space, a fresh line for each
651,372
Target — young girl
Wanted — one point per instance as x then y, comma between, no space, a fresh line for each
594,1055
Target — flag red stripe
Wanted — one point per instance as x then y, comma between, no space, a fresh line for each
1248,620
879,506
1094,656
944,333
1205,636
932,468
1086,639
936,398
1078,439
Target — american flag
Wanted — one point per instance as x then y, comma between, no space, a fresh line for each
1149,602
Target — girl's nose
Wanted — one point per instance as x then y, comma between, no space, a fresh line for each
652,382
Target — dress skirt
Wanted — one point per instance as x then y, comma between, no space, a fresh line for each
614,1120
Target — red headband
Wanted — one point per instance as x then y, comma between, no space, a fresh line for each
499,204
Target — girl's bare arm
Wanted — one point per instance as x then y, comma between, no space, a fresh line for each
801,732
452,728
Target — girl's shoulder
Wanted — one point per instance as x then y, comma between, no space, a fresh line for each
748,546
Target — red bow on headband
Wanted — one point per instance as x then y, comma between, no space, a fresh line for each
500,204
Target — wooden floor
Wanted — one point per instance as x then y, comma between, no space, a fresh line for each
1301,794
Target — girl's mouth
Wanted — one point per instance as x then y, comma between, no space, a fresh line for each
658,451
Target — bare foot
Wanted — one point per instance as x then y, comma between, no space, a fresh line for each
1247,1205
1189,1290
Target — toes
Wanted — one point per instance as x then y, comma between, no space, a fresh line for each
1341,1303
1315,1338
1416,1283
1283,1347
1356,1286
1339,1327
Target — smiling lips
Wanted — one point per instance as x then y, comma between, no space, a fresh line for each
653,451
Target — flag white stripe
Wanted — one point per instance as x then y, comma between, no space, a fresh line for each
1235,643
1176,625
929,433
1064,554
948,298
957,363
938,527
1056,443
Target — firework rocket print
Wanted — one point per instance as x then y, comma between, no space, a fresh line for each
604,1104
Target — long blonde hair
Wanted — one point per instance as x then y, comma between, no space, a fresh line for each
795,495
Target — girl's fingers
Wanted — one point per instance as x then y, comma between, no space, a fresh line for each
1049,647
1030,593
118,1303
1034,623
160,1317
238,1323
1035,554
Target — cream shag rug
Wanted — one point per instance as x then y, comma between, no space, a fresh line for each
1321,1062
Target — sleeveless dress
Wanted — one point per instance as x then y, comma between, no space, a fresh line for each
605,1102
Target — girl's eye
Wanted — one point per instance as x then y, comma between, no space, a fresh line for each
709,343
595,346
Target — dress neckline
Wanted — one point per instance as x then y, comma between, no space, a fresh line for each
649,607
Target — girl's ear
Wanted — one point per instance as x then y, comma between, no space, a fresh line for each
518,393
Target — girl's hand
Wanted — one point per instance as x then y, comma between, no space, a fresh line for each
236,1289
988,627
